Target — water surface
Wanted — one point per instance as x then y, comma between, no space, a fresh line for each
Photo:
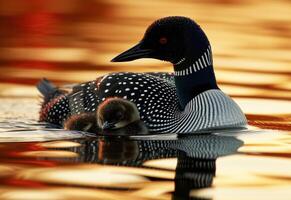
73,41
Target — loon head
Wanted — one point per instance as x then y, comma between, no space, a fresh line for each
115,113
182,42
174,39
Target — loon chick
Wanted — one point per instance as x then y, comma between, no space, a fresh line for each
116,113
86,122
189,102
115,116
118,116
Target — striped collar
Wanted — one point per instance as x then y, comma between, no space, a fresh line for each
204,61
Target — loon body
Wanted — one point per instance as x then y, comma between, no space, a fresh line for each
186,101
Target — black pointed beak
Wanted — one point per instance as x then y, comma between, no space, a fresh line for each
133,53
108,125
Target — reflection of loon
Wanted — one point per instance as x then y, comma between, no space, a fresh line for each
196,156
192,102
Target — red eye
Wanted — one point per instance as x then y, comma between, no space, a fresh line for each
163,40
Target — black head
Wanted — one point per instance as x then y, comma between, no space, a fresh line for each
116,113
169,39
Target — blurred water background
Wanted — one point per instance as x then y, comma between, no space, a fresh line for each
70,41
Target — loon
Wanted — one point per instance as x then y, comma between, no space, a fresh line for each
86,122
186,101
114,116
116,113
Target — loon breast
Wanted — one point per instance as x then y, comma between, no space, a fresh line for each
208,111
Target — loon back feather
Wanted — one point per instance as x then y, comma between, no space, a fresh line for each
48,90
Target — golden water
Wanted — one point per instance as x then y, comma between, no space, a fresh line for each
71,41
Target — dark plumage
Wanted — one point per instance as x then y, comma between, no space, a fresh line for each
86,122
187,101
116,113
115,116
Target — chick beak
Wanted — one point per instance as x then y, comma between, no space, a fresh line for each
108,125
133,53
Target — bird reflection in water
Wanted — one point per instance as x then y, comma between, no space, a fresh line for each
196,156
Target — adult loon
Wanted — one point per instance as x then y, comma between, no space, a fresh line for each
186,101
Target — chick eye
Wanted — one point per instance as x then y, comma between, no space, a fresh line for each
163,40
119,115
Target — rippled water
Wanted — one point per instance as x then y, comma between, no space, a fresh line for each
71,41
